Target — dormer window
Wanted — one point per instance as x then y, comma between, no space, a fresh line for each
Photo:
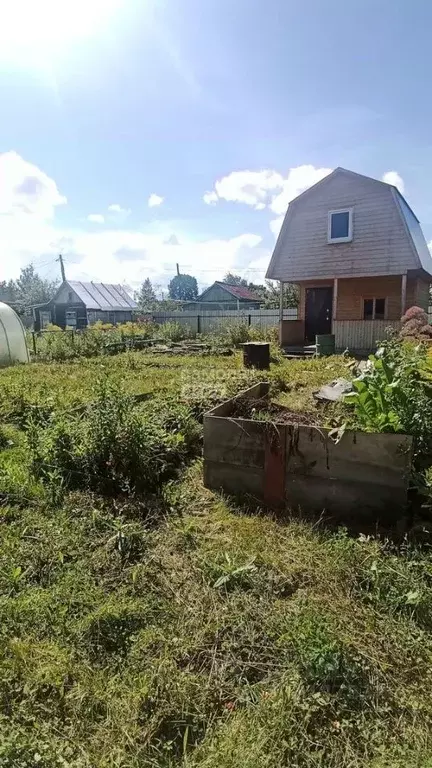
340,226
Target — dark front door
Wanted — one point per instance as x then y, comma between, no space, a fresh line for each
318,312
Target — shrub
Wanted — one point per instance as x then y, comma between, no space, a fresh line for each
415,325
415,313
393,394
174,331
113,447
235,333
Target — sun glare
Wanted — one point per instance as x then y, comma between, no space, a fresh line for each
42,26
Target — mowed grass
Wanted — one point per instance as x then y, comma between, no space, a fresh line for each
181,630
214,637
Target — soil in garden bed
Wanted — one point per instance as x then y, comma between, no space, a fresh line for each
265,410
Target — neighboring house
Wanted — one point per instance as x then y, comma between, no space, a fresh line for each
358,254
76,305
221,296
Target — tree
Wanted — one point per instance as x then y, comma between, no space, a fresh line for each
32,289
233,279
183,288
290,295
8,291
268,293
146,296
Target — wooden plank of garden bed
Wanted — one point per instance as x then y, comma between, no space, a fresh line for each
362,470
235,479
359,456
234,441
301,466
348,500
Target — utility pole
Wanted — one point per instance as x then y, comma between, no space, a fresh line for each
62,269
178,270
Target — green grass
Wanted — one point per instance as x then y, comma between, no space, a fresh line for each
180,630
215,638
67,385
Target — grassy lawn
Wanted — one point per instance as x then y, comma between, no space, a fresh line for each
174,628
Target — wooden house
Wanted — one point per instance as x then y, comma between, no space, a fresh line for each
358,254
77,305
224,296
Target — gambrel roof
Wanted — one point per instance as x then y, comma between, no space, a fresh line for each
387,237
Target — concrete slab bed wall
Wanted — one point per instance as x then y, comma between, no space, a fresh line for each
290,465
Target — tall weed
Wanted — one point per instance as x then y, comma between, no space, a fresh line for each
113,447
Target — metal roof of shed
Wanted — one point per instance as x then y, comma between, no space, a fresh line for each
102,296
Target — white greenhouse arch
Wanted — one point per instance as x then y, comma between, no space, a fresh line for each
13,346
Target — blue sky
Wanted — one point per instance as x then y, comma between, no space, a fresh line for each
216,112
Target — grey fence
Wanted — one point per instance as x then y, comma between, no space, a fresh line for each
206,322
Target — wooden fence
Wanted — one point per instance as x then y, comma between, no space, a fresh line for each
208,321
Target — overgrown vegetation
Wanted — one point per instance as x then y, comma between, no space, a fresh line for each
415,325
112,447
105,339
145,621
393,394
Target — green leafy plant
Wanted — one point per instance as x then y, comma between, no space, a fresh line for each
393,393
112,447
233,574
374,397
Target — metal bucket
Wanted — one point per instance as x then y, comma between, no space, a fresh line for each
325,344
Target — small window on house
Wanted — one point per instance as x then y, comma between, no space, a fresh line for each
374,309
379,309
368,309
70,296
340,226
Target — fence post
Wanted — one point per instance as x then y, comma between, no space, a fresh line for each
198,324
34,343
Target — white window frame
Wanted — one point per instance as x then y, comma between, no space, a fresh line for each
374,298
348,239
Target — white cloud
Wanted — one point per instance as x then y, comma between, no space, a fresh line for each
298,180
116,208
392,177
276,224
118,255
154,200
265,188
28,233
25,189
96,218
254,188
210,198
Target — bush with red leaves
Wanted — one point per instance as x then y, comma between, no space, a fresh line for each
415,325
415,313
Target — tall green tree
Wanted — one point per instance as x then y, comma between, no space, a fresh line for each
146,296
232,279
8,291
290,295
33,289
183,288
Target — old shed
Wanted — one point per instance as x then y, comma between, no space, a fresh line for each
77,305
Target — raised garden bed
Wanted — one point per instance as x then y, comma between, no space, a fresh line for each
260,449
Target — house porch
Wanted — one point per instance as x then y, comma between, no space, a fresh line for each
356,310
